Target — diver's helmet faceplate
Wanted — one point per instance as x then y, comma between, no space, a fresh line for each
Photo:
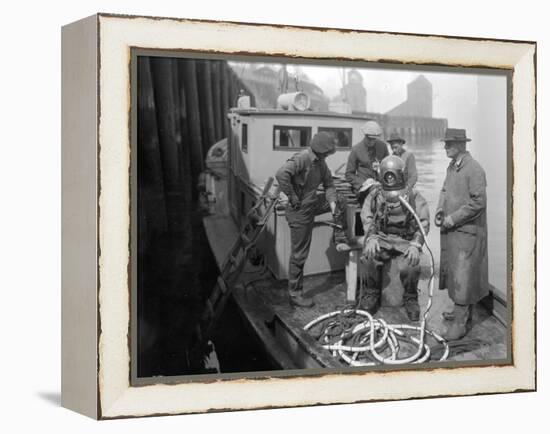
392,173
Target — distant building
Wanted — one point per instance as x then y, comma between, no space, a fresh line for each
419,100
354,93
413,118
265,84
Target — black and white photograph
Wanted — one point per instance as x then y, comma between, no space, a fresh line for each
275,217
295,217
261,216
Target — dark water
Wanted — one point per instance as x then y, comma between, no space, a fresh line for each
177,274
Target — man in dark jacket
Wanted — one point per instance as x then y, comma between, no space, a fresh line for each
365,157
397,142
299,179
461,214
392,234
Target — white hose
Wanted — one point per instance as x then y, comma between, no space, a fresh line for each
381,337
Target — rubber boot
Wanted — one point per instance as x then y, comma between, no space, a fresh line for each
412,308
459,325
371,301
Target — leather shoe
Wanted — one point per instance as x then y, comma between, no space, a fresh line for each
371,303
413,309
460,325
300,301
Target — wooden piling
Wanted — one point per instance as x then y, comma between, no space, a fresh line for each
193,118
184,145
205,104
168,125
191,101
224,83
216,99
151,193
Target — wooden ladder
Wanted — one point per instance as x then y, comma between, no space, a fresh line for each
254,223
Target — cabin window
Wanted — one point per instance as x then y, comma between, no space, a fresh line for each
244,138
341,135
285,137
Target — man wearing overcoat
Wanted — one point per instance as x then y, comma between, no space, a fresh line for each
462,216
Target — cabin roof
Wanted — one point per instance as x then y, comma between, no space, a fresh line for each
295,113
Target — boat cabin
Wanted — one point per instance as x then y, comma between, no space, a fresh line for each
261,140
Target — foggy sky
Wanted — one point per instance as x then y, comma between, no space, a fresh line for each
455,95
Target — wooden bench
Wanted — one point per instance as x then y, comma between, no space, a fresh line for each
353,263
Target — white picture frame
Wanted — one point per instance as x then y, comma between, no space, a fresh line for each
96,215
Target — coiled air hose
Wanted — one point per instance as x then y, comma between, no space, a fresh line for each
356,338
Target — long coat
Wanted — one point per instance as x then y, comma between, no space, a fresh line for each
464,263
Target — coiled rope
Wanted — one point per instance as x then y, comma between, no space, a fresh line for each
356,338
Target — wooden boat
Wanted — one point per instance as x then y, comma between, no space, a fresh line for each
261,140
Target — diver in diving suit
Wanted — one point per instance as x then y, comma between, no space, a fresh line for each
392,234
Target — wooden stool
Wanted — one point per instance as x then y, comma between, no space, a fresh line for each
353,263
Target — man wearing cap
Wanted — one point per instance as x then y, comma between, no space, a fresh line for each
365,157
462,215
396,142
299,179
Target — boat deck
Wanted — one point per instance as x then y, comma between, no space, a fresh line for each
264,304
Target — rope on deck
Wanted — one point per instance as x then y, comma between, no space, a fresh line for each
358,339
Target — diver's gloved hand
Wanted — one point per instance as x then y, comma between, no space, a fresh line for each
413,255
371,249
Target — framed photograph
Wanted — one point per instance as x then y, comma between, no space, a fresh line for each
260,216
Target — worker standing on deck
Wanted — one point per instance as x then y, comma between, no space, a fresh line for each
392,234
365,157
299,178
397,146
461,214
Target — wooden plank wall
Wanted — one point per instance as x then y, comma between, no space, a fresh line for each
182,108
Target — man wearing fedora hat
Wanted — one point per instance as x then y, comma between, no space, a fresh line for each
396,142
365,157
299,179
461,215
